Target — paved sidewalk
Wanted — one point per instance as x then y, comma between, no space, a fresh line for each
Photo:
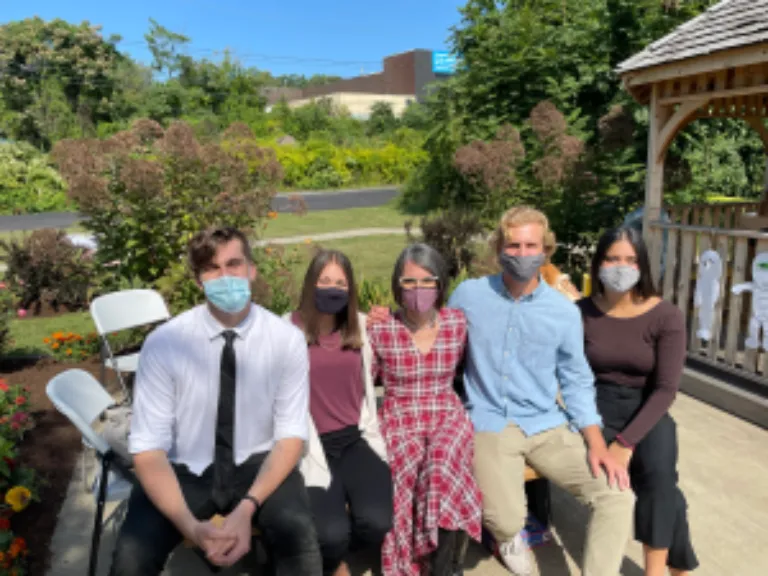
723,472
356,233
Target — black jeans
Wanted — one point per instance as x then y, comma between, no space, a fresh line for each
661,519
147,537
360,479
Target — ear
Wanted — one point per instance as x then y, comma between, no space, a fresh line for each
251,271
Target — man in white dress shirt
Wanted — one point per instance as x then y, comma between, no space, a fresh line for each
220,417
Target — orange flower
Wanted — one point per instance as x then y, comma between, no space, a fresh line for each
46,340
3,386
58,335
55,345
272,215
17,547
20,400
69,352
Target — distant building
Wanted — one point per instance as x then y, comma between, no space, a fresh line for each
405,79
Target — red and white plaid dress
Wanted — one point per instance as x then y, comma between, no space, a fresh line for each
429,441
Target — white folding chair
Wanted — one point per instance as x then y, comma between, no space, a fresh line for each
80,397
121,311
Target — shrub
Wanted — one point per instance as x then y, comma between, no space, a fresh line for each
28,181
374,293
454,234
179,289
275,287
46,268
147,190
6,313
318,164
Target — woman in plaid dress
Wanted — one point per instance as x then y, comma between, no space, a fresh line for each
428,434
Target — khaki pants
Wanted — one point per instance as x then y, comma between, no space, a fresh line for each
561,456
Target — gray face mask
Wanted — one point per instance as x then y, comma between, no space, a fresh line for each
521,268
619,278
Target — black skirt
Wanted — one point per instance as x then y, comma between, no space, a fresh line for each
661,519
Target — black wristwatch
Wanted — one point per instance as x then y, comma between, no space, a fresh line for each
256,503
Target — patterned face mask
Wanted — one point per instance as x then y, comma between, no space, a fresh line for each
620,278
521,268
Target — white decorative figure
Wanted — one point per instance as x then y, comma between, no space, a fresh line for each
707,291
759,289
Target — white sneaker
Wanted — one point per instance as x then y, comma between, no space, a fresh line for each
514,554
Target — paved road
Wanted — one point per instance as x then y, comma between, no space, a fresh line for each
314,201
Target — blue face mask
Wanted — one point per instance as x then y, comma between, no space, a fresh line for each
229,294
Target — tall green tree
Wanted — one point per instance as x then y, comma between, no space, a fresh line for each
54,74
164,46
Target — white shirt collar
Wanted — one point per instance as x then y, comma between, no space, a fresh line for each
213,328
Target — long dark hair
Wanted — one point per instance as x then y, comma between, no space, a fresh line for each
644,287
346,320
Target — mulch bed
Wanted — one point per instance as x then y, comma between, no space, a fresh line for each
51,448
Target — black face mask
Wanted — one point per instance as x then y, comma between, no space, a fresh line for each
330,300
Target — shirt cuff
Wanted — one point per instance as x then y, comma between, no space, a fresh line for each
295,431
587,421
137,444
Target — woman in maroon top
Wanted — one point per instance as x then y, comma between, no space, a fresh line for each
346,462
428,433
636,345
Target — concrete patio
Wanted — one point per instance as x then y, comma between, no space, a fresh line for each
723,472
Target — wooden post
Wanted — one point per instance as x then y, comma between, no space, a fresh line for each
654,182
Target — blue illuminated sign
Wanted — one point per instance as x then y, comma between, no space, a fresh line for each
443,62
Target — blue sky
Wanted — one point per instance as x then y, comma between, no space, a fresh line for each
341,37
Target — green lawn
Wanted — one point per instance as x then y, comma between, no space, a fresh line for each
28,334
372,257
320,222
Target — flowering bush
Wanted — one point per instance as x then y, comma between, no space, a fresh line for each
18,484
68,346
146,191
46,268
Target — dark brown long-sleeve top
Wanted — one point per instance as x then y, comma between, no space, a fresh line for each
644,351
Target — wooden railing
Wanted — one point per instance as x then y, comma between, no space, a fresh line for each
723,215
675,249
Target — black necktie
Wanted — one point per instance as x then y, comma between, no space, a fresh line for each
224,460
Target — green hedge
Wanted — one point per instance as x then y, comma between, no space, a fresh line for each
28,181
318,165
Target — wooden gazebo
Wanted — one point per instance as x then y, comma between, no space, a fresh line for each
714,66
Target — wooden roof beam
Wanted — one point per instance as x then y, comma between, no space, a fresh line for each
727,93
721,60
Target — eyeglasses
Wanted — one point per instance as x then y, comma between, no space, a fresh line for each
428,282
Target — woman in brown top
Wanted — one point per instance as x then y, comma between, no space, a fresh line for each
345,468
635,343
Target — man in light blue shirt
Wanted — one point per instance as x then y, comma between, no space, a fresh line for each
526,343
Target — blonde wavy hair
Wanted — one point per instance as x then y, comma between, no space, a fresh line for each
520,216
